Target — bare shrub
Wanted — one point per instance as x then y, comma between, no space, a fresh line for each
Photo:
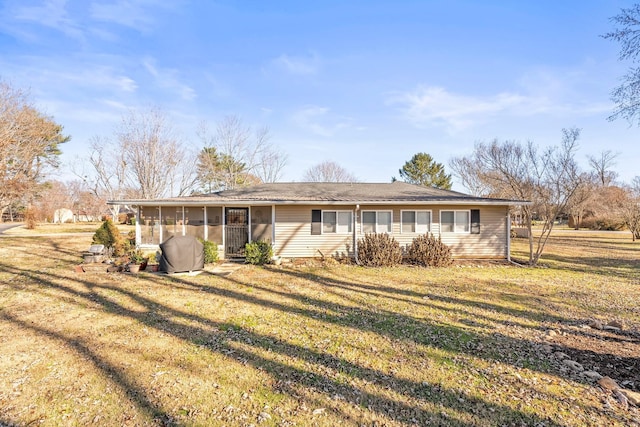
428,251
379,250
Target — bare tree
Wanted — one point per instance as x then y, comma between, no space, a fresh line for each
582,199
512,170
52,195
236,156
626,97
630,208
271,165
602,165
328,171
108,179
29,147
157,162
87,205
146,160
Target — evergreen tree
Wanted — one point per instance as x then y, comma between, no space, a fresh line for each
423,170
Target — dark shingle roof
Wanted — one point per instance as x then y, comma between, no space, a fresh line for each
331,193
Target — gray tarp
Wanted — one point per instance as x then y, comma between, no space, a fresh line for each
181,253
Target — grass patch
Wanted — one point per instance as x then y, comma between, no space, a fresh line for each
340,345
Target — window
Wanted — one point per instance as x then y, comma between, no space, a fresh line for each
336,222
416,222
454,221
377,221
316,221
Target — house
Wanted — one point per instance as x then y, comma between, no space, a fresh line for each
312,219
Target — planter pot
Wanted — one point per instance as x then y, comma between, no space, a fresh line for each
152,268
134,268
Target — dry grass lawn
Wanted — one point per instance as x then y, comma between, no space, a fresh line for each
317,345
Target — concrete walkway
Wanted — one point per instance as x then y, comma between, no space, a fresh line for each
224,269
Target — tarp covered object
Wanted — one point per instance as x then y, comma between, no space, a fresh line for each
181,253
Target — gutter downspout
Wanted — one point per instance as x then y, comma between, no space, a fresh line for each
355,234
508,235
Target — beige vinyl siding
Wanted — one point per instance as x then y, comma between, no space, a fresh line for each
490,243
293,238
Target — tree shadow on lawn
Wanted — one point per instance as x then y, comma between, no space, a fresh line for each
624,268
243,344
627,341
430,299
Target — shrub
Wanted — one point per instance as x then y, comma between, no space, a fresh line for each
109,236
428,251
379,250
210,251
258,252
30,218
603,223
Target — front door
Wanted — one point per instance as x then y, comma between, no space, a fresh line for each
236,231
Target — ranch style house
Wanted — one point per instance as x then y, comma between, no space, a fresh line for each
304,219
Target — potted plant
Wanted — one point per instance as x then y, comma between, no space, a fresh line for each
153,262
136,260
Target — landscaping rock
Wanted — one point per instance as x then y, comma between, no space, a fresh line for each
608,384
546,348
632,396
592,375
616,324
596,324
560,355
573,365
622,399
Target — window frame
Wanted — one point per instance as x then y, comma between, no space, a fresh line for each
415,221
455,222
337,223
376,212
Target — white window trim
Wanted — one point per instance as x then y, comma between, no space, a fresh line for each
376,222
415,223
455,211
337,212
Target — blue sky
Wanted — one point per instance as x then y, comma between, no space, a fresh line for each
366,84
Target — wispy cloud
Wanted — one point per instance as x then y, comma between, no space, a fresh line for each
435,105
432,105
318,120
298,65
169,79
21,20
139,15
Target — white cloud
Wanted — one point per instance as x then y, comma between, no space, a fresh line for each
318,120
168,79
136,14
50,13
298,65
433,105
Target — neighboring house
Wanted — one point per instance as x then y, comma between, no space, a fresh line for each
303,220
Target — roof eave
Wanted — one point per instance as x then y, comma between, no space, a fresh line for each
239,202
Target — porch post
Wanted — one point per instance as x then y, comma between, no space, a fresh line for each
273,226
249,224
138,227
160,227
224,230
508,220
206,226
